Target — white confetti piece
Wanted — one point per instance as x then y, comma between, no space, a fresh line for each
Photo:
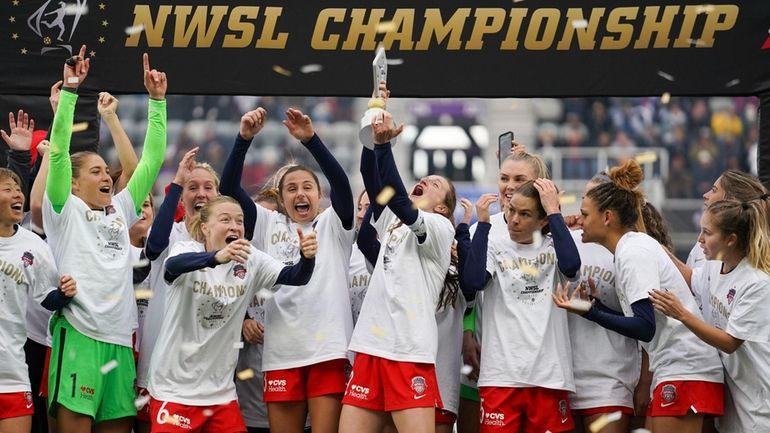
604,420
73,80
245,374
79,127
580,24
238,345
665,98
76,9
208,412
308,69
732,83
141,263
666,75
106,368
134,29
580,305
640,430
704,9
281,70
143,294
386,27
264,294
141,401
395,62
646,157
466,370
692,408
697,42
386,193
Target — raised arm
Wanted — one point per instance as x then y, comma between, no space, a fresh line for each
367,240
341,195
153,152
108,109
384,130
474,275
38,186
567,255
19,142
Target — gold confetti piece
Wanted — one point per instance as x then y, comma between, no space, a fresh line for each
696,42
376,330
208,412
106,368
113,297
567,199
704,9
646,157
238,345
386,27
307,69
528,269
245,374
604,420
420,202
665,75
264,294
141,401
665,98
134,29
580,24
281,70
386,193
143,294
79,127
732,83
466,370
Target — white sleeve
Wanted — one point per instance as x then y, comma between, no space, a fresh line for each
381,224
699,283
261,227
124,204
266,271
750,316
439,234
638,272
45,277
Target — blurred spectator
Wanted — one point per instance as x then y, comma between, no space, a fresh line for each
679,183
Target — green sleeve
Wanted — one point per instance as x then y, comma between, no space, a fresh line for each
59,182
153,154
469,321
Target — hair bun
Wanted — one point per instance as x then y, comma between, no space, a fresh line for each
627,176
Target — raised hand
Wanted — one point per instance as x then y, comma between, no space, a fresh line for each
299,125
549,195
76,69
252,122
237,251
21,131
186,166
383,128
68,286
467,210
482,206
107,104
308,244
42,147
54,96
154,80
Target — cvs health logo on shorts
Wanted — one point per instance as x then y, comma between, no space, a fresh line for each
275,385
358,391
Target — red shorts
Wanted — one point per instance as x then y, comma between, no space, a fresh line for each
301,383
16,404
384,385
43,392
677,397
524,409
603,409
170,417
445,417
143,413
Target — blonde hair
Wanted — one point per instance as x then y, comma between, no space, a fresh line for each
206,166
204,214
536,162
748,221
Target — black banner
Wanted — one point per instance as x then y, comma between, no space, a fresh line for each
436,48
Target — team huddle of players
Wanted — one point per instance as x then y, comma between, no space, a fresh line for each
221,312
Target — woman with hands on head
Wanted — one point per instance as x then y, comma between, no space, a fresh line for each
304,371
736,280
87,229
518,273
211,282
687,376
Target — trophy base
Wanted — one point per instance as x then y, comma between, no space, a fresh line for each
365,133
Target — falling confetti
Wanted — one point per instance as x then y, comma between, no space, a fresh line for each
646,157
238,345
142,263
141,401
528,269
376,330
697,42
264,294
704,9
134,29
420,203
580,305
106,368
386,193
692,408
665,75
386,27
732,83
466,370
665,98
73,80
604,421
308,69
169,419
641,430
208,412
76,9
80,126
567,199
580,24
143,294
245,374
281,70
395,62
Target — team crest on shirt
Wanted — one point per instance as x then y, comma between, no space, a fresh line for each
28,259
239,271
668,394
730,296
419,386
109,209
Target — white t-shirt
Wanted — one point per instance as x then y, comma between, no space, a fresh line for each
449,322
696,258
740,305
196,355
27,272
94,248
308,324
37,322
157,306
397,320
358,281
642,265
605,364
526,340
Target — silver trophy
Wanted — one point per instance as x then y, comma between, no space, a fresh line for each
376,104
